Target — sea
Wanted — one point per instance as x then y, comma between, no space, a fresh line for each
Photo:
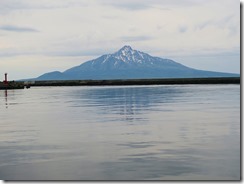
157,132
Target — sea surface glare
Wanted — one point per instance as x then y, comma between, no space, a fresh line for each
175,132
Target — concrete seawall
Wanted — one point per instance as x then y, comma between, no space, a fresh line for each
171,81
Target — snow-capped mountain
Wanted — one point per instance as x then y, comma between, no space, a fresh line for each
127,63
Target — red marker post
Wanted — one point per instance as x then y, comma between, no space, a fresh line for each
6,78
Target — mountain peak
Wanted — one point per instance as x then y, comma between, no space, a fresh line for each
126,54
126,48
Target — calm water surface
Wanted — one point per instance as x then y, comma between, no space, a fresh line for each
189,132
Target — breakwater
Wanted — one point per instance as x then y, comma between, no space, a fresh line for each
169,81
11,85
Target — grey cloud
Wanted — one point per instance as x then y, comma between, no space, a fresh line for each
91,52
13,53
53,53
228,23
127,6
221,23
110,17
136,38
146,4
17,28
8,6
134,6
130,5
183,29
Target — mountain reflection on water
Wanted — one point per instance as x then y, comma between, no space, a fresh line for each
130,103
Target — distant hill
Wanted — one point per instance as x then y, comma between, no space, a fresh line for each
130,64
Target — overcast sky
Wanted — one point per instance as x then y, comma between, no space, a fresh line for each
39,36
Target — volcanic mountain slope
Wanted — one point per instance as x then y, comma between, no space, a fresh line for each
130,64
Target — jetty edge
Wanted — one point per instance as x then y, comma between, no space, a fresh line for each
118,82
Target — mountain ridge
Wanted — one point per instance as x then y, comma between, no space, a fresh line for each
128,63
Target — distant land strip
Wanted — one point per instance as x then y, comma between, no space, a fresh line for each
168,81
